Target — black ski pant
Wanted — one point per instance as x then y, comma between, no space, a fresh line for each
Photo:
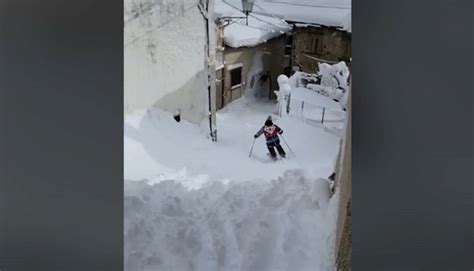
275,144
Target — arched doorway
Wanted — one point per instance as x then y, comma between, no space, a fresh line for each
261,85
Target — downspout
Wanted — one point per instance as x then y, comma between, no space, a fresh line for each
224,77
207,12
292,47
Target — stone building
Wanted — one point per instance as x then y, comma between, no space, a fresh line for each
321,31
249,57
312,44
250,70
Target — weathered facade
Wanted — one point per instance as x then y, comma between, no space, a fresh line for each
344,185
249,70
311,45
164,57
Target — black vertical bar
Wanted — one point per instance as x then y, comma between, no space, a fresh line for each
322,119
302,107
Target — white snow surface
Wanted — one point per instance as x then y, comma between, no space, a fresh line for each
194,204
260,27
182,146
315,108
322,12
311,97
282,225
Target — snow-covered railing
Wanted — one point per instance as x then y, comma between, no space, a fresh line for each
319,114
314,108
314,104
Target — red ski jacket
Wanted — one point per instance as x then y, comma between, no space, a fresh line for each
271,133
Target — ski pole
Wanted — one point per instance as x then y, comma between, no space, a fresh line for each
251,149
288,146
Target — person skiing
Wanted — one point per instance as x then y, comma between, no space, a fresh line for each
271,132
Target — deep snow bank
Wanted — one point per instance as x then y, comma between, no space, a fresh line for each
284,224
207,206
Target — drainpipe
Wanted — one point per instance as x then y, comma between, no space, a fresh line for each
207,10
292,47
224,78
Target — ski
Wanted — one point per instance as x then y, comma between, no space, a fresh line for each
277,158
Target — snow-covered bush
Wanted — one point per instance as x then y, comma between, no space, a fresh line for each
334,75
301,79
331,92
330,81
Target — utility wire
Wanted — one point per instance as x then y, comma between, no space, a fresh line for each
253,16
307,5
261,20
159,26
272,15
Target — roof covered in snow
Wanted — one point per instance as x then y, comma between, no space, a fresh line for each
260,27
336,13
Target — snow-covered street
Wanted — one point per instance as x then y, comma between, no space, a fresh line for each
192,67
194,204
156,145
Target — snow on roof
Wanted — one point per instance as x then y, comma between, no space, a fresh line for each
335,13
260,27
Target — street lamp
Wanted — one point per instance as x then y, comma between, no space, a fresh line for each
247,6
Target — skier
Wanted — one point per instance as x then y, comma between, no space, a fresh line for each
271,132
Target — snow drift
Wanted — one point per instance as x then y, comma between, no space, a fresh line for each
279,225
193,204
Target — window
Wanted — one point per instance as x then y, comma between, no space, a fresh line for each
289,40
289,44
288,50
235,77
312,46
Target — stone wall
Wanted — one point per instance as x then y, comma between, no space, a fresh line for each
312,45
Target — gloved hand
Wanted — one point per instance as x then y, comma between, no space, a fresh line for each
281,132
255,136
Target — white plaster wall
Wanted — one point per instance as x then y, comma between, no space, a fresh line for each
164,57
